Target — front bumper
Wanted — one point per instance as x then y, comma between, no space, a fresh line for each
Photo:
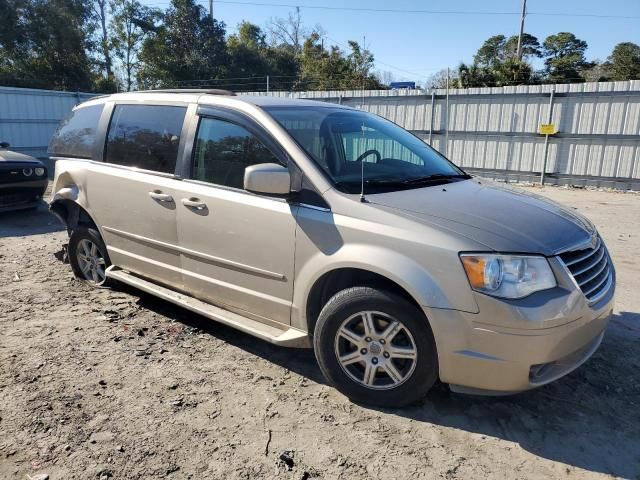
510,347
19,195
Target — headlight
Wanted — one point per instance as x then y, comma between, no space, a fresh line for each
39,171
27,172
508,276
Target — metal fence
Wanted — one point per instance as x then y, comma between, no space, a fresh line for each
490,131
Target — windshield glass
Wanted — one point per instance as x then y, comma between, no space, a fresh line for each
344,143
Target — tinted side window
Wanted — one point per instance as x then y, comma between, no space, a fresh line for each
145,136
75,136
223,150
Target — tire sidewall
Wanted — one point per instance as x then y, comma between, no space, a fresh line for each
357,299
83,233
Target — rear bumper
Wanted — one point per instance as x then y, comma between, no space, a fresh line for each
480,358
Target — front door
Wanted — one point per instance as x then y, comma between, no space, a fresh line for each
237,247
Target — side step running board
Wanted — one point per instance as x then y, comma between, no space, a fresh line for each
286,337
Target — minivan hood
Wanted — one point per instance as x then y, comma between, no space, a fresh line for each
504,218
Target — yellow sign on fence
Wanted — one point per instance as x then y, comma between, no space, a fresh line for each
547,129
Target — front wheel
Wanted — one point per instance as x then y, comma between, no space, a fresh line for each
88,256
376,347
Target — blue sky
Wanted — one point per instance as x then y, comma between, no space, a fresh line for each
414,45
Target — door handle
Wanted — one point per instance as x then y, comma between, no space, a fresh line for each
160,197
194,203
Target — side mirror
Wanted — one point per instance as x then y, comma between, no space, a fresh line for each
4,145
268,178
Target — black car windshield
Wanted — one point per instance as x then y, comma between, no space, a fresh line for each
345,143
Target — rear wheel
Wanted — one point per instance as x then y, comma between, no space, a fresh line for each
376,347
88,256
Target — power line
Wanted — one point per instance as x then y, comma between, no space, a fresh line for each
380,61
423,11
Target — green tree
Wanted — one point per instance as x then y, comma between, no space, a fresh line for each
327,69
496,62
624,62
46,44
13,40
492,52
187,49
530,46
565,59
472,76
131,23
252,59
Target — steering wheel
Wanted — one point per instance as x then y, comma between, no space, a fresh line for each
367,153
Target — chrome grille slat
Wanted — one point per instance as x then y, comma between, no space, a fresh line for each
590,266
590,252
594,275
591,269
604,290
598,285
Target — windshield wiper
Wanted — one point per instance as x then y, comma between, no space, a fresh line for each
436,177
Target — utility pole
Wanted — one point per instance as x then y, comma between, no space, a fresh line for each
211,10
524,14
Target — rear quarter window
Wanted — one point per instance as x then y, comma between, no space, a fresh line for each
76,134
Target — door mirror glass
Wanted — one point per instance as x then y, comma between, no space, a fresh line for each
267,178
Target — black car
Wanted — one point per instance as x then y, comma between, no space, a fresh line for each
23,180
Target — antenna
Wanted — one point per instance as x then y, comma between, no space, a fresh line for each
362,199
362,52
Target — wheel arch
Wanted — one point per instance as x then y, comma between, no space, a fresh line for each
71,213
338,279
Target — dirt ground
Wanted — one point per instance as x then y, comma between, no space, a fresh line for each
117,384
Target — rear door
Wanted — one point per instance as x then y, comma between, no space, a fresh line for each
132,193
238,247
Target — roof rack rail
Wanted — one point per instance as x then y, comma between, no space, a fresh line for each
208,91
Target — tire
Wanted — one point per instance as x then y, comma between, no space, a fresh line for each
359,378
81,250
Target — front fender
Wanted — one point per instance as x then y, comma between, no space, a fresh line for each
68,200
423,287
66,193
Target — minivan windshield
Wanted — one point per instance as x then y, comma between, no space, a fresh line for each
349,145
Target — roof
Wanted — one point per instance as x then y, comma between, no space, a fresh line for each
267,101
206,91
202,95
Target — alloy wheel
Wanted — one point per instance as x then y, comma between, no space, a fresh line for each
91,261
376,350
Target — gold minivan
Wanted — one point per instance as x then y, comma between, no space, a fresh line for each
309,224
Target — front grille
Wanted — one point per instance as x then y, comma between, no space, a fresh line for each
592,270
